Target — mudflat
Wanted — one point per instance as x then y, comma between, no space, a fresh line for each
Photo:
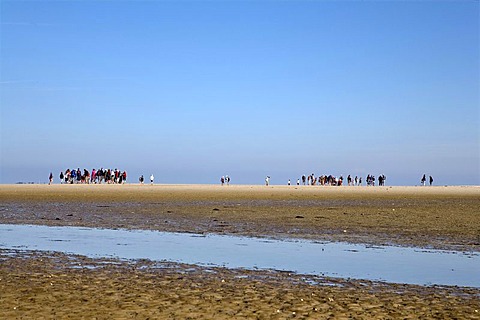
434,217
52,285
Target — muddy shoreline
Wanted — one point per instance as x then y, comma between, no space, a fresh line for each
53,285
439,218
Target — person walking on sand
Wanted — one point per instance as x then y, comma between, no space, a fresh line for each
431,180
50,178
73,176
288,183
267,181
151,179
423,180
93,178
141,179
79,175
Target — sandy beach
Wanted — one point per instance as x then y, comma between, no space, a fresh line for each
52,285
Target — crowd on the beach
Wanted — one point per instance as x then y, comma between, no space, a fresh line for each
109,176
331,180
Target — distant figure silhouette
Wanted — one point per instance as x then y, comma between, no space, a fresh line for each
431,180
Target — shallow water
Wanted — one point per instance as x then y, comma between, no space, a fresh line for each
334,259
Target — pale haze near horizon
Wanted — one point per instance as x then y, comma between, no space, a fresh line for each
191,91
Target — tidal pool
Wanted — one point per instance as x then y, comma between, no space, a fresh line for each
333,259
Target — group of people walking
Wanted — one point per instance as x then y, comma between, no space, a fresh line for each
109,176
424,180
225,180
331,180
142,179
371,180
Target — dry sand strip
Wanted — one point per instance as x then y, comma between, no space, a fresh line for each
39,285
433,217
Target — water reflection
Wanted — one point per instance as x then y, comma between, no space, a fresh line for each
391,264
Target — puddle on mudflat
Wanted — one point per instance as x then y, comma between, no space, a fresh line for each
343,260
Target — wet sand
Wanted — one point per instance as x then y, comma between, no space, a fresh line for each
43,285
433,217
55,286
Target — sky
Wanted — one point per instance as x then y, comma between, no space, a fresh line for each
193,90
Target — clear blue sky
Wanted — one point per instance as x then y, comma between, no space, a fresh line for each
194,90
